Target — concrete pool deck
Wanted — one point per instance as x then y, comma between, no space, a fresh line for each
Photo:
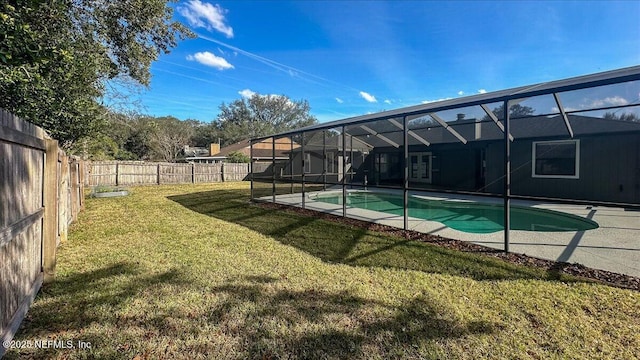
613,246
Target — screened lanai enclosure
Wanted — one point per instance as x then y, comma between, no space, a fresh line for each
563,157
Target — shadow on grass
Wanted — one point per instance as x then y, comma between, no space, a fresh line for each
113,307
75,302
251,317
338,243
314,324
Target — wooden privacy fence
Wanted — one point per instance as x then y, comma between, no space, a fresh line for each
41,193
148,173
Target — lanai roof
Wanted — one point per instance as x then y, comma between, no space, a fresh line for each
562,96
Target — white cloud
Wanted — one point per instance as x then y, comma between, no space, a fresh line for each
387,101
482,91
209,59
587,103
565,108
368,97
205,15
460,92
246,93
431,101
610,101
340,101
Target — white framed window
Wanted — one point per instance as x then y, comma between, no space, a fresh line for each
558,159
307,163
330,163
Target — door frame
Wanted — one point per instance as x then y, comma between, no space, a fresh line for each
420,164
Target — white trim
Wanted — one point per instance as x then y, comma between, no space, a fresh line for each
307,163
576,143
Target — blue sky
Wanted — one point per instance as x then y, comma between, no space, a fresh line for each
353,58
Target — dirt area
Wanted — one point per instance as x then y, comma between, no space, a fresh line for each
607,277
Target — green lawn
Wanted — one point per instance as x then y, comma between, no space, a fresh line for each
196,271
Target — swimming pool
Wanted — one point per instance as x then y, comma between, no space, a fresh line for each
471,217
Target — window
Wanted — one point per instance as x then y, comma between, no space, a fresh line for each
330,163
307,163
382,164
556,159
414,167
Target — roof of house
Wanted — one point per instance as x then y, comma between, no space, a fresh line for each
225,151
534,127
192,151
257,153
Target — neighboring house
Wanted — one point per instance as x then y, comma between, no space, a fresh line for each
203,155
191,151
327,165
262,151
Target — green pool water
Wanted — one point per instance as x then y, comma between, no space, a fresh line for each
471,217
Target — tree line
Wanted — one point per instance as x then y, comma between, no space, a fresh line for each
143,137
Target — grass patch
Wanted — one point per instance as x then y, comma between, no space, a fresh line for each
196,271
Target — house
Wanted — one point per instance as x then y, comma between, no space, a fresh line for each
262,151
582,158
323,158
601,161
202,155
193,151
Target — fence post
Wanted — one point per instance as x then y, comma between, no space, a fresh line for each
222,171
82,180
64,198
158,171
73,187
117,173
50,221
193,173
86,172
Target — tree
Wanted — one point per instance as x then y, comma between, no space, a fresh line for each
622,117
205,134
104,147
43,75
139,137
55,57
422,122
169,137
261,115
515,111
139,141
110,143
238,157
